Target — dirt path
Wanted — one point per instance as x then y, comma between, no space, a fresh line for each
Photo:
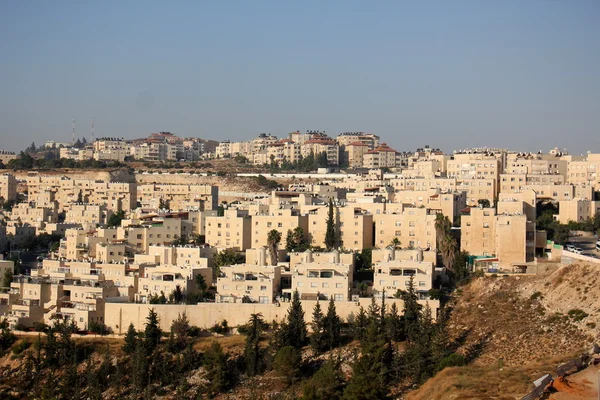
580,386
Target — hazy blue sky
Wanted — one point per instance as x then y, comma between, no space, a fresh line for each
518,74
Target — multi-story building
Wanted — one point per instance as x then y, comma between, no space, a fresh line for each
87,215
413,227
395,275
577,210
278,219
6,156
8,187
353,225
179,196
232,230
322,280
381,157
247,283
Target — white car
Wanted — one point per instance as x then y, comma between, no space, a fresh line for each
570,247
577,250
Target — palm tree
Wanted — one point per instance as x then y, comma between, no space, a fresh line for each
273,239
446,243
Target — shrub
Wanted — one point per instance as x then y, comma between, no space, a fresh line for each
577,315
221,328
536,295
287,362
452,360
20,347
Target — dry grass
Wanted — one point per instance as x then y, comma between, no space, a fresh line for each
491,382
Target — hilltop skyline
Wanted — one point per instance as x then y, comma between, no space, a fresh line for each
514,74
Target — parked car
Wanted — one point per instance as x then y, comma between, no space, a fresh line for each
570,247
577,250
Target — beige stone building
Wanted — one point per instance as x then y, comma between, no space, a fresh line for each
6,156
353,225
413,227
449,204
391,276
8,187
87,215
277,219
37,217
577,210
233,230
322,280
380,157
246,283
585,172
179,196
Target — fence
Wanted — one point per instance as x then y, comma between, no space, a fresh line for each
564,369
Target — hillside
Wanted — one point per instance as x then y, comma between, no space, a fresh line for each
516,329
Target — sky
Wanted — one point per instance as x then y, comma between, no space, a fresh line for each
450,74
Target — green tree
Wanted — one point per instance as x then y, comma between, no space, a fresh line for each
201,286
364,259
330,237
177,295
287,363
217,372
292,331
131,340
180,328
163,204
115,219
7,278
273,240
485,203
317,339
80,197
152,332
326,383
412,311
361,322
332,326
253,355
370,373
395,324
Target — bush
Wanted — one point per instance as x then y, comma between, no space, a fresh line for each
577,315
452,360
20,347
536,295
221,328
287,363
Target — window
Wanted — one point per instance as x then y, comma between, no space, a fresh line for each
338,297
313,284
339,286
263,288
325,285
300,284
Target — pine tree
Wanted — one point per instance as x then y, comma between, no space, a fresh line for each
370,371
374,312
152,333
395,324
252,351
332,326
317,326
131,339
418,351
326,383
293,330
412,311
217,371
330,231
361,322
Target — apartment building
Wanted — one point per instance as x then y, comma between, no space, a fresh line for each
413,227
511,238
164,279
279,219
382,156
7,156
391,276
8,187
179,196
577,210
29,214
246,283
389,253
158,231
321,281
232,230
353,225
449,204
87,215
585,171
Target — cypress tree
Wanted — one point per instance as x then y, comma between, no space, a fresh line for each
293,330
318,326
361,323
395,324
252,351
330,231
130,340
332,326
412,311
152,332
217,372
